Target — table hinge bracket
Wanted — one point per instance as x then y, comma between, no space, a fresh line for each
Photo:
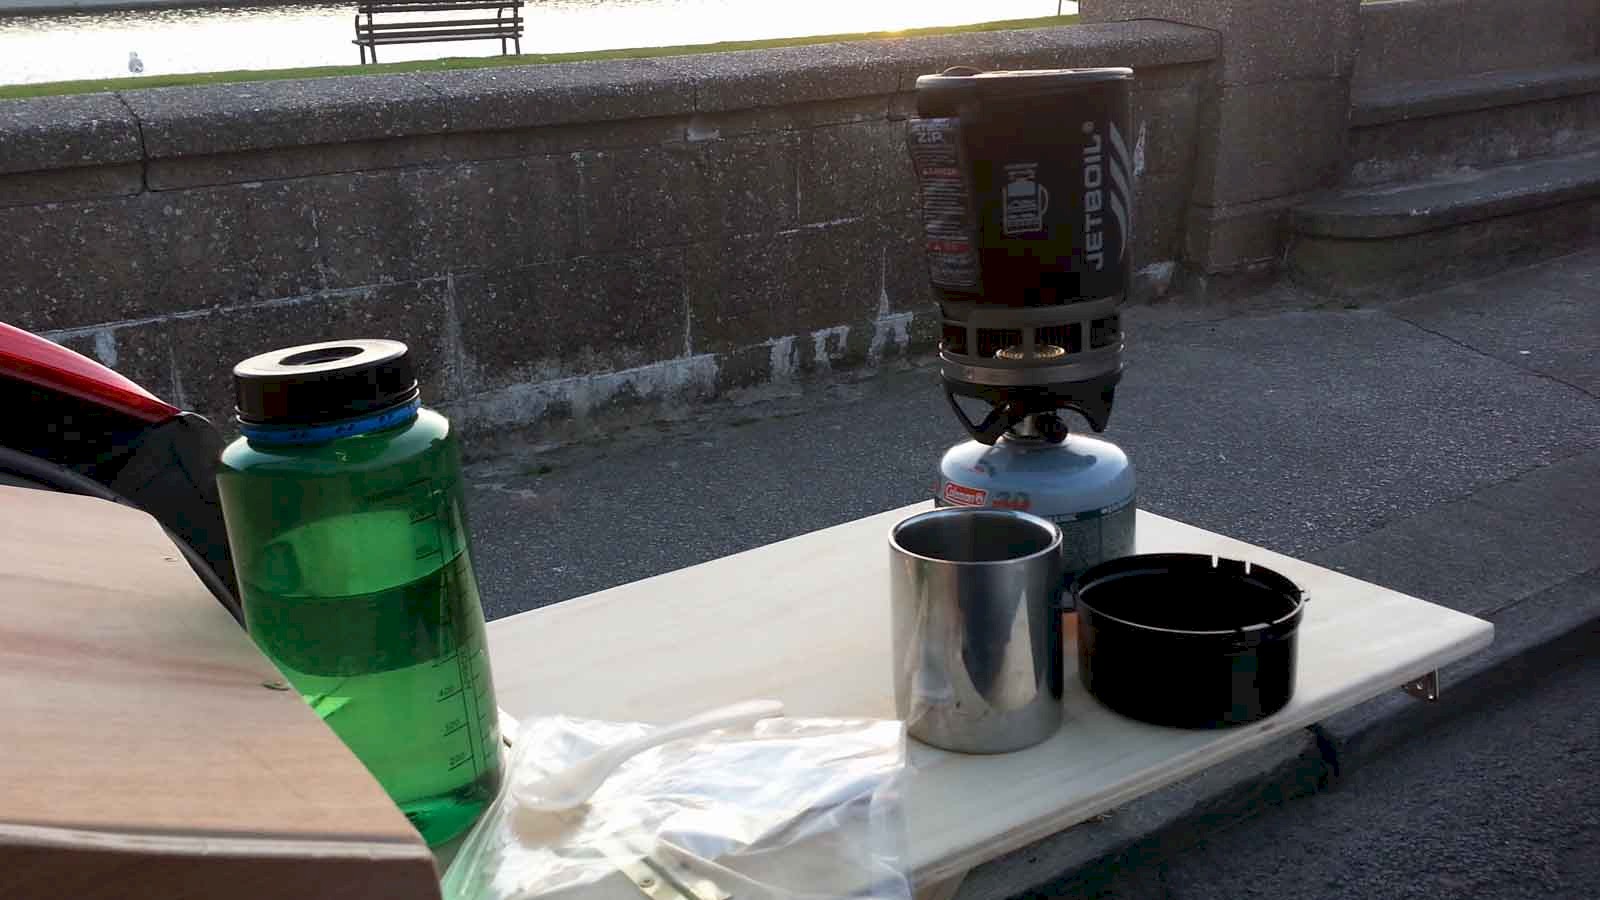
1425,688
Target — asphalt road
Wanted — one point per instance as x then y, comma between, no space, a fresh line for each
1297,430
1446,444
1501,803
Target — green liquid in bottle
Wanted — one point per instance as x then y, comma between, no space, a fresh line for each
357,580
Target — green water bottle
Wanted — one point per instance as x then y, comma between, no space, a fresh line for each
344,510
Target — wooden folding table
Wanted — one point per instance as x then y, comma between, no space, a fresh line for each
147,748
806,621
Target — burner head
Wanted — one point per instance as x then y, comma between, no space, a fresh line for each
1040,353
1040,358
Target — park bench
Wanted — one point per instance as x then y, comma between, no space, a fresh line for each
506,26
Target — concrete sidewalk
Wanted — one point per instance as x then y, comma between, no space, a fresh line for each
1447,446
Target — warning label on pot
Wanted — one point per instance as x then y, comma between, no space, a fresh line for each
947,219
961,495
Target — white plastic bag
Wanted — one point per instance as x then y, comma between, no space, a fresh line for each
791,809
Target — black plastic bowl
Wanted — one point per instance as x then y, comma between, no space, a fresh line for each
1187,640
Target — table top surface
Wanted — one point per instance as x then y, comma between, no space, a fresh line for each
806,621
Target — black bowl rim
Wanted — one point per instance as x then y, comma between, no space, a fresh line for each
1151,563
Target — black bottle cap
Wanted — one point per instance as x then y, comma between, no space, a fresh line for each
323,382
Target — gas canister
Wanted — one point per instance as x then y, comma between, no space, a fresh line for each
1084,484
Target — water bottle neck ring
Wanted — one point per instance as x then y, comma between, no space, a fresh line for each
323,432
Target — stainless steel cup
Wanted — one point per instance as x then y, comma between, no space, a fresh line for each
976,596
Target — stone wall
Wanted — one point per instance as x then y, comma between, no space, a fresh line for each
1276,132
1412,40
547,238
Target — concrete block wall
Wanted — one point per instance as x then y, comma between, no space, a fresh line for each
1415,40
551,240
1446,85
1272,130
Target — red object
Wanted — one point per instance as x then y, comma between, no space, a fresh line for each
37,361
961,495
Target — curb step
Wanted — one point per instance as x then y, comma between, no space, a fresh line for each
1533,638
1416,129
1471,93
1400,238
1455,199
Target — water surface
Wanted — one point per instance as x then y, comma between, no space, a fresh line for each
97,45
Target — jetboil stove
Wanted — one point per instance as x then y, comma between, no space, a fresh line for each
1027,204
